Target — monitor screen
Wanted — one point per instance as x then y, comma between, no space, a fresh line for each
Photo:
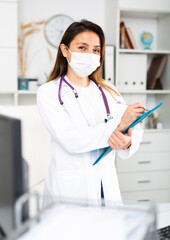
12,181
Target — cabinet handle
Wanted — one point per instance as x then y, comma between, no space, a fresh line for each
146,142
144,162
144,181
143,200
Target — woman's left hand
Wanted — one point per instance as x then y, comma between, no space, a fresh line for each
118,140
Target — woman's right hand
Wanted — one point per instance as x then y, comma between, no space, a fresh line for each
131,114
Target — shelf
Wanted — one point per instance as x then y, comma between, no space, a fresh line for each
140,51
133,13
26,92
146,92
4,93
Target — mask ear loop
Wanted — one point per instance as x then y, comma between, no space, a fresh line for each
69,51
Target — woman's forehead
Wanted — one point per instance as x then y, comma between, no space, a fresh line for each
87,37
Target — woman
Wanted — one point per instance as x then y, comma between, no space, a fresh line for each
74,109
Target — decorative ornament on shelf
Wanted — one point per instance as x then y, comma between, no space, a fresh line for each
146,39
24,39
153,121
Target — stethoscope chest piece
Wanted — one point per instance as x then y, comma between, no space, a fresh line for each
109,117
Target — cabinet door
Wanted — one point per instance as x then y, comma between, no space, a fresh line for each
144,161
8,24
8,69
144,181
155,142
159,196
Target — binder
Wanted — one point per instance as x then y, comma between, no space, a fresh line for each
132,72
139,119
109,63
155,72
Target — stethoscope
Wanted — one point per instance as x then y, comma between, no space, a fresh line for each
109,116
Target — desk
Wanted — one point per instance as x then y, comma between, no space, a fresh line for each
71,222
163,219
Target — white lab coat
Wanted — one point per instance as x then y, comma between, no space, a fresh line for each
77,138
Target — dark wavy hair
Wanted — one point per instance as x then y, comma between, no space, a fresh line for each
61,65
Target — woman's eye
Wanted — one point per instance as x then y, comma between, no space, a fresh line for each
96,50
81,47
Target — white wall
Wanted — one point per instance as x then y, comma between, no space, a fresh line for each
35,10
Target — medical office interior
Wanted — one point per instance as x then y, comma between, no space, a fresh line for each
137,61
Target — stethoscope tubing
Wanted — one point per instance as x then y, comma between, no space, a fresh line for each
76,95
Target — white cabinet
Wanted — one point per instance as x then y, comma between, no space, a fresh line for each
8,52
9,93
146,175
8,24
8,65
148,171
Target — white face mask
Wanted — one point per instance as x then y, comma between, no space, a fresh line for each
83,64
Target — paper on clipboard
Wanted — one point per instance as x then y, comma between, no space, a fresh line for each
139,119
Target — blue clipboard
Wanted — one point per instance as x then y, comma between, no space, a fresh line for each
139,119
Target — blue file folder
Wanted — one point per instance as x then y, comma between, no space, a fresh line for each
139,119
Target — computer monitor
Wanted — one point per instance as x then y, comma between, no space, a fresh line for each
13,173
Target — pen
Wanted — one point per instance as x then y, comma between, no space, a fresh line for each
128,105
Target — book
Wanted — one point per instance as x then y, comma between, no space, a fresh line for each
107,150
124,38
155,72
131,38
122,35
127,41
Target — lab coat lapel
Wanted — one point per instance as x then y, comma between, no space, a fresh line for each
89,112
86,111
96,90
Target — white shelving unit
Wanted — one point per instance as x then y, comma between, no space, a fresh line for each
146,175
17,98
155,21
9,93
26,97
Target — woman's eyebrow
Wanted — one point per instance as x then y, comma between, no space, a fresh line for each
83,43
88,44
